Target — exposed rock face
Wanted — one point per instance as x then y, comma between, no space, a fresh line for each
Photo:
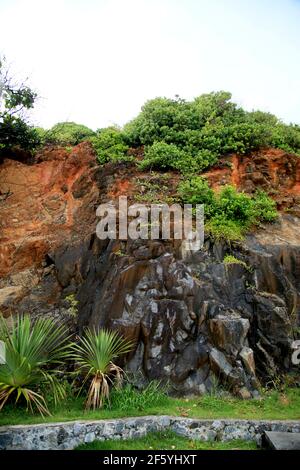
196,322
271,169
43,204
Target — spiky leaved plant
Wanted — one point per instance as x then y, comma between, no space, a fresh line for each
32,349
95,353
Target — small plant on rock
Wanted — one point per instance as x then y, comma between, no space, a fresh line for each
230,259
73,305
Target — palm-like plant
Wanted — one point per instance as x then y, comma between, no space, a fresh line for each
31,350
95,354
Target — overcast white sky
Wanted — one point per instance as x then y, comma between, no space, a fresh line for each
97,61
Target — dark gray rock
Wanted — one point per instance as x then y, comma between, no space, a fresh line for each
282,440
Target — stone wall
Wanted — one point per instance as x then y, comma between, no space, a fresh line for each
59,436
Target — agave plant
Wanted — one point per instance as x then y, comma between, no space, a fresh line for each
32,349
95,353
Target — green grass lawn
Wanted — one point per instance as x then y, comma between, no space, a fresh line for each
166,440
274,405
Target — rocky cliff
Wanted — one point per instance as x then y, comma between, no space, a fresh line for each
196,320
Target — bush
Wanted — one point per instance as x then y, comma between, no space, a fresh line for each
245,137
154,122
197,191
110,145
264,207
222,228
200,161
235,206
200,131
286,137
64,133
228,213
162,156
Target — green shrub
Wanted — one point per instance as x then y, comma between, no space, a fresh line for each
110,145
245,137
162,156
286,137
41,133
197,191
229,213
222,228
64,133
264,207
235,205
200,131
157,118
203,159
262,117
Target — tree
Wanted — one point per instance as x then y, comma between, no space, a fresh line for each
15,100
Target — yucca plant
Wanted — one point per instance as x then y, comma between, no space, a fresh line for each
94,354
32,349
